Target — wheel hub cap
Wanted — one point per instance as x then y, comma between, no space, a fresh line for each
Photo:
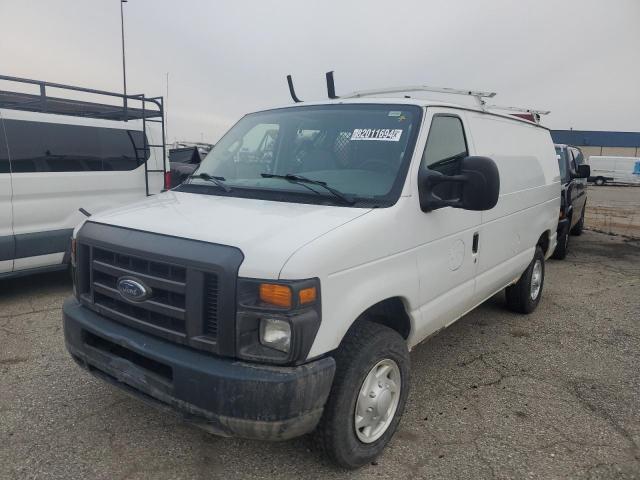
377,401
536,279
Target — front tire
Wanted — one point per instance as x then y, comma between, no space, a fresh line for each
371,383
600,181
524,296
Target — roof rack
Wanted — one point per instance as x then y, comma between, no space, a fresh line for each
477,95
480,96
331,91
526,113
77,108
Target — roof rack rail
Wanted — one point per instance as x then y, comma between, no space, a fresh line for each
45,103
526,113
479,96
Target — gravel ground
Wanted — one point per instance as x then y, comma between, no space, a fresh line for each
614,209
555,394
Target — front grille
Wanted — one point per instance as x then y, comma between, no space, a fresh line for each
192,299
211,305
165,309
168,312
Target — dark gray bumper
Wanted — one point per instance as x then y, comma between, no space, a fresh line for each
224,396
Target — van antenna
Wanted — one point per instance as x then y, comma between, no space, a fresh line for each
291,90
331,87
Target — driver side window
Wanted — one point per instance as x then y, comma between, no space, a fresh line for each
446,148
446,145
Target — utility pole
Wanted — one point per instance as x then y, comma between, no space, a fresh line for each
124,67
166,109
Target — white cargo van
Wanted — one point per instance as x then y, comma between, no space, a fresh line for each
280,290
58,155
614,169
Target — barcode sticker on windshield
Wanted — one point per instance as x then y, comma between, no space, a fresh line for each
380,134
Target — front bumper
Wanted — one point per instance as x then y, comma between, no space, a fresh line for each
224,396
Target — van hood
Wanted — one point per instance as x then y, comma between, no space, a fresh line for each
267,232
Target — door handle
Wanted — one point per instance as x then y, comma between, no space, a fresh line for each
474,247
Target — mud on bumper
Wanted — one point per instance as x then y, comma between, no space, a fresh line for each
223,396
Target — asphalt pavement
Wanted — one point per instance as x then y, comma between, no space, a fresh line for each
555,394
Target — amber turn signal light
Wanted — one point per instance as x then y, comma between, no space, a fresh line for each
307,295
278,295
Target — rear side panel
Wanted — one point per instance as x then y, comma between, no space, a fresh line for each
529,200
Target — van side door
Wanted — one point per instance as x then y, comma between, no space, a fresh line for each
445,237
7,246
529,200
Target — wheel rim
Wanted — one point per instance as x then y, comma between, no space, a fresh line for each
378,401
536,279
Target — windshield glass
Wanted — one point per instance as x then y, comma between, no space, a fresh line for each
562,161
362,151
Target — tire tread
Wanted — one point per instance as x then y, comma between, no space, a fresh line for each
356,340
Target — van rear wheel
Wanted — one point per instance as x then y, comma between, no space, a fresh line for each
524,296
368,395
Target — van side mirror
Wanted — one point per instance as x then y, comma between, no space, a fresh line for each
478,184
584,171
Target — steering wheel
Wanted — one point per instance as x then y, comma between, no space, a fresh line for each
377,164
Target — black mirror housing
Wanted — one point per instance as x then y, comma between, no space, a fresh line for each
479,182
584,171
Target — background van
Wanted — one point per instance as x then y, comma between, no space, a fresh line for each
60,155
614,169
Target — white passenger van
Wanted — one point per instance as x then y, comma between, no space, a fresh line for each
614,169
58,155
281,290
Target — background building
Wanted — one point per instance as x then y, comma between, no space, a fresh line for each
619,144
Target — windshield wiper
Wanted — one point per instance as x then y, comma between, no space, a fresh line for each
290,177
219,181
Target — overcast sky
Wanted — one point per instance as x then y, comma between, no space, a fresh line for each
578,58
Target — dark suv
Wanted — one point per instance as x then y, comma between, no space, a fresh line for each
574,172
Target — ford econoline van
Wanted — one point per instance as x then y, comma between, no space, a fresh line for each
625,170
279,290
60,155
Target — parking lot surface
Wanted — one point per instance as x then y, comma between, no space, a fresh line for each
555,394
614,209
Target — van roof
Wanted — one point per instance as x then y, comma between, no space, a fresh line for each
420,102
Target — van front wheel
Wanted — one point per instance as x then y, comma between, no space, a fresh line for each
368,395
524,296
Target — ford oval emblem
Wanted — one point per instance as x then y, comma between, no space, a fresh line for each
133,289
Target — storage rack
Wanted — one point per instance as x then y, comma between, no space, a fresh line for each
151,110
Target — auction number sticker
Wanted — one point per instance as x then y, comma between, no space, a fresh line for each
379,134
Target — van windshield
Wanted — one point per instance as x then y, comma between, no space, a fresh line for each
361,151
